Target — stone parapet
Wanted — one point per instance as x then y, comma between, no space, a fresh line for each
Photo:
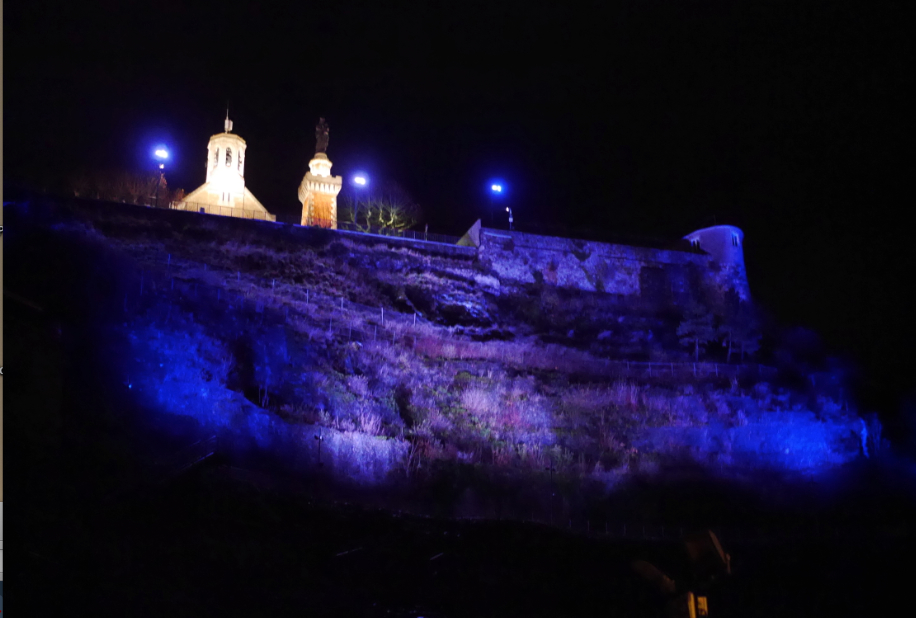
658,277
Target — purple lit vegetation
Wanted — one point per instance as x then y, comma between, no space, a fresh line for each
411,361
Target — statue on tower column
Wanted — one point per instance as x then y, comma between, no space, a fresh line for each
321,136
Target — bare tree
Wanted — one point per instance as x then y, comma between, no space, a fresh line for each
389,208
120,186
696,329
139,188
740,330
178,195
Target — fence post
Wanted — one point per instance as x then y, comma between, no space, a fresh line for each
383,315
341,303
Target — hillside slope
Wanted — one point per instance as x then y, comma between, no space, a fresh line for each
415,365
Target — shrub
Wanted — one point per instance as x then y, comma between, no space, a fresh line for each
587,400
369,423
439,423
719,404
478,401
624,395
359,385
503,454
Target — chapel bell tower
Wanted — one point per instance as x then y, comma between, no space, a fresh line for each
226,166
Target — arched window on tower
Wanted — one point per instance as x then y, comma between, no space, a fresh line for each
215,157
228,157
734,240
240,157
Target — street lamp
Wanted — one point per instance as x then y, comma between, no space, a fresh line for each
360,182
496,189
161,155
509,210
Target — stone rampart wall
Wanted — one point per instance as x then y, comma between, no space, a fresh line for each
650,277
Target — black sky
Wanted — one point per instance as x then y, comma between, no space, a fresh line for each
640,117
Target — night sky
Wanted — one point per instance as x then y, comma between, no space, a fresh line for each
636,117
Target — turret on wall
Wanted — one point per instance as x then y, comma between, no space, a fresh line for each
725,245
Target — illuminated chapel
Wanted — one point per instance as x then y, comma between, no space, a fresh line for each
224,192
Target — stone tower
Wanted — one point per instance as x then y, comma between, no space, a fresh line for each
318,189
725,244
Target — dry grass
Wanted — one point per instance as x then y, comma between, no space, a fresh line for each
369,423
479,402
359,385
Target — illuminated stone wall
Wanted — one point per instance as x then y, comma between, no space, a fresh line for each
323,210
652,278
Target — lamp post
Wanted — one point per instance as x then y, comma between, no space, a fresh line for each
509,210
360,182
320,439
161,155
496,188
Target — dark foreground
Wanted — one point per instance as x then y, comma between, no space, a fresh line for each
221,541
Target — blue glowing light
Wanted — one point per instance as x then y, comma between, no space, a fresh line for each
495,188
161,153
359,180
